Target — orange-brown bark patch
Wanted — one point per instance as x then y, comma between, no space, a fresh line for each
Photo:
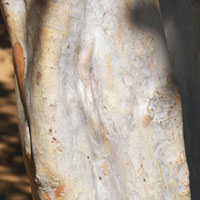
106,142
147,119
178,100
105,168
59,191
38,78
19,64
46,197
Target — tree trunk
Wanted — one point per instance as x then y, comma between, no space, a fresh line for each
99,112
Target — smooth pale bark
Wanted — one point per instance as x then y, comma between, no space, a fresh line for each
100,115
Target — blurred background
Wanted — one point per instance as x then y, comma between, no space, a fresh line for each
14,183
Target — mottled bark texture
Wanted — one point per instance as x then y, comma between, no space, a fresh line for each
99,112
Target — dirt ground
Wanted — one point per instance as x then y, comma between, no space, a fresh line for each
14,184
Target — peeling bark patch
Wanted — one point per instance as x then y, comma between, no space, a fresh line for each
106,142
46,197
19,64
178,100
186,172
38,78
105,168
164,108
60,191
147,119
180,159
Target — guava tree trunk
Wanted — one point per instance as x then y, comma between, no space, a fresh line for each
99,112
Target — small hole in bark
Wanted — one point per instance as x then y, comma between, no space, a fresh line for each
68,46
88,157
7,3
144,180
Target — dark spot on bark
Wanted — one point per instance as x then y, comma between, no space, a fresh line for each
52,105
100,178
88,157
7,3
38,78
144,180
68,46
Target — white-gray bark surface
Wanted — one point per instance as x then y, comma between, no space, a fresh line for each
100,115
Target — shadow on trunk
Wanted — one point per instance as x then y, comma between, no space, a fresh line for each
180,22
